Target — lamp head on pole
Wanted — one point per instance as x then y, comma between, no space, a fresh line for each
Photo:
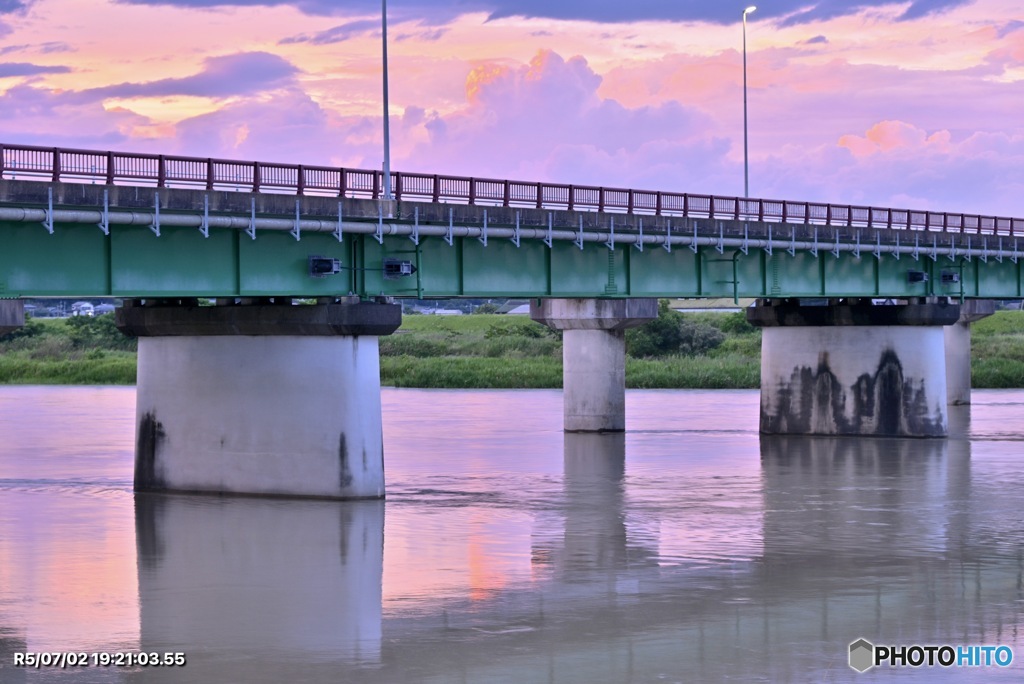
749,10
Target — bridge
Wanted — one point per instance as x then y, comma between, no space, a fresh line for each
865,310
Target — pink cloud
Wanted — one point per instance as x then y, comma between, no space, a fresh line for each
886,136
286,125
546,120
903,166
36,116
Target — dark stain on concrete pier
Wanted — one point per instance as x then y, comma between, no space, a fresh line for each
149,473
884,403
344,470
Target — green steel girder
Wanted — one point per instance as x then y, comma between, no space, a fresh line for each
132,261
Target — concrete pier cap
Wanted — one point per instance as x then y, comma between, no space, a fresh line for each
853,367
594,356
12,315
259,397
593,314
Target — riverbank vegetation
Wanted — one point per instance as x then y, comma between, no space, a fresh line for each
707,350
80,350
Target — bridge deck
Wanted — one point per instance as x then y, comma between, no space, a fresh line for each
85,239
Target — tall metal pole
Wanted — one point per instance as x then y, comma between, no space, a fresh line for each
746,162
387,126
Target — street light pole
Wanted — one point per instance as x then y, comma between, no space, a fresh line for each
746,162
387,127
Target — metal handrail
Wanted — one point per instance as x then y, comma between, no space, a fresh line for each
65,164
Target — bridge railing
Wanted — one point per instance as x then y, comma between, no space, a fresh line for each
160,171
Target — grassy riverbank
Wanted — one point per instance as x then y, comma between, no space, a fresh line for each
694,350
997,351
707,350
68,351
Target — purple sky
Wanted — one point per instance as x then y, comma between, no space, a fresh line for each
910,104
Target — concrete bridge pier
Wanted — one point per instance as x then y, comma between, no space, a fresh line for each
853,368
12,315
958,349
594,356
260,397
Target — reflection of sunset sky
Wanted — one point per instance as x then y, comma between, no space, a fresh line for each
499,523
479,538
642,96
67,537
481,512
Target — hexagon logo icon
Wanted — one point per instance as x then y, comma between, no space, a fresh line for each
862,655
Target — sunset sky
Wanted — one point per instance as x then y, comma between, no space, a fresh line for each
912,104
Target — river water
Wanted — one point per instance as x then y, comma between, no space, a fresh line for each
689,549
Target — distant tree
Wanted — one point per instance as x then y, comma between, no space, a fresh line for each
670,333
98,332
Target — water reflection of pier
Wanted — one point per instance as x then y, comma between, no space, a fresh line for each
272,584
292,585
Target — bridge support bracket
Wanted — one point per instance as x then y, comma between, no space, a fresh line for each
296,231
104,224
251,230
48,221
155,226
204,226
515,235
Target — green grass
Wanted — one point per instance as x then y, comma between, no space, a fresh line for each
997,351
694,372
492,350
727,372
479,351
997,374
110,368
475,323
471,372
999,323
